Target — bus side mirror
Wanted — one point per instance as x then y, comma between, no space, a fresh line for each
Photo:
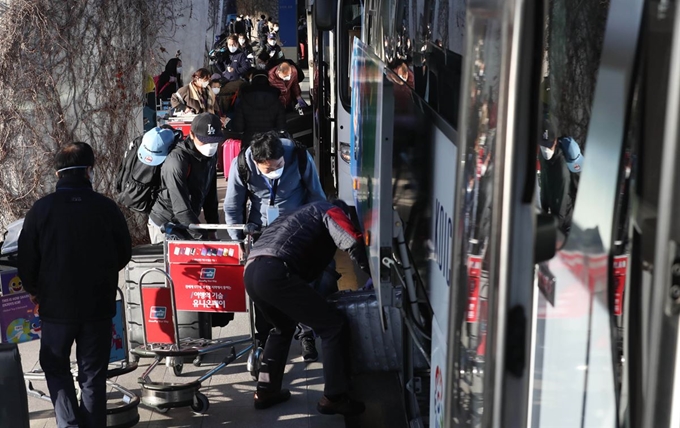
325,14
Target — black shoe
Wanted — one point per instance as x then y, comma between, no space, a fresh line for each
343,406
264,399
309,352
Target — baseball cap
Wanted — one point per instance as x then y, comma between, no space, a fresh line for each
155,146
208,128
271,36
572,153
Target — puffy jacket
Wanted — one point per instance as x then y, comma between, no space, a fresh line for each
290,89
72,246
238,61
258,110
187,180
307,239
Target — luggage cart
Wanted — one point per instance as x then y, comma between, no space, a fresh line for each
202,276
123,414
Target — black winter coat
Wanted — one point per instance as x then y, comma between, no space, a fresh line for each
187,181
558,189
307,239
166,88
258,110
72,246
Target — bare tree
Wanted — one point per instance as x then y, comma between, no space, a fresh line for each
73,71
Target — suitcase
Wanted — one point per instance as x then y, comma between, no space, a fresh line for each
373,350
13,398
299,126
191,324
230,150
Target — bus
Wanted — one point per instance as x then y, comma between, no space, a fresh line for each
514,167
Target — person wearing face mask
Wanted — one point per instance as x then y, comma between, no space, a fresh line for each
170,80
560,160
284,77
272,47
237,65
72,246
188,180
195,97
240,26
249,26
275,187
246,48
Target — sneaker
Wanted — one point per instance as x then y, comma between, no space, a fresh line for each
264,399
309,352
344,406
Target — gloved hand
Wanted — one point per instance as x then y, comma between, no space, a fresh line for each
368,285
250,228
301,103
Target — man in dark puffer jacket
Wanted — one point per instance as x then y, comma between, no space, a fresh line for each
258,109
293,251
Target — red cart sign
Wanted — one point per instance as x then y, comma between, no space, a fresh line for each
620,270
158,320
207,276
474,279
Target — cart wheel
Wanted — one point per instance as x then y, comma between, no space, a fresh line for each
200,404
198,361
177,369
162,409
134,358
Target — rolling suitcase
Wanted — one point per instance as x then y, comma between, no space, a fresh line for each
190,324
13,398
371,349
230,150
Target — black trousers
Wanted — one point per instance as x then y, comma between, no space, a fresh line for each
286,299
93,347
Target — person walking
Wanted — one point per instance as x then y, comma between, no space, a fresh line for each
73,244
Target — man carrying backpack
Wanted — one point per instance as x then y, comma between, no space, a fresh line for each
187,177
277,176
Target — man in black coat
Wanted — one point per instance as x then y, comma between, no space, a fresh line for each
258,108
237,65
293,251
560,162
72,246
188,179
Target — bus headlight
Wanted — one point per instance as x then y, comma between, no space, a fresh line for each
344,152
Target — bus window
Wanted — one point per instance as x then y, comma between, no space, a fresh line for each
350,27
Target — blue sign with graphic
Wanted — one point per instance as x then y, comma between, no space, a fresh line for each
288,23
158,312
117,341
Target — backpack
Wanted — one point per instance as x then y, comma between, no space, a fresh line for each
137,183
244,172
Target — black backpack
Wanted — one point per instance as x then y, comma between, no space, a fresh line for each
138,184
244,172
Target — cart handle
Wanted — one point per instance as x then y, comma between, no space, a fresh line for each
217,226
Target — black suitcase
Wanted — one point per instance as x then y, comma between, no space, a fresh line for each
13,398
191,324
299,126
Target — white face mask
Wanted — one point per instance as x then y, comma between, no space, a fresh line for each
208,150
272,42
286,78
547,153
216,90
179,70
241,42
203,83
404,78
274,175
232,49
